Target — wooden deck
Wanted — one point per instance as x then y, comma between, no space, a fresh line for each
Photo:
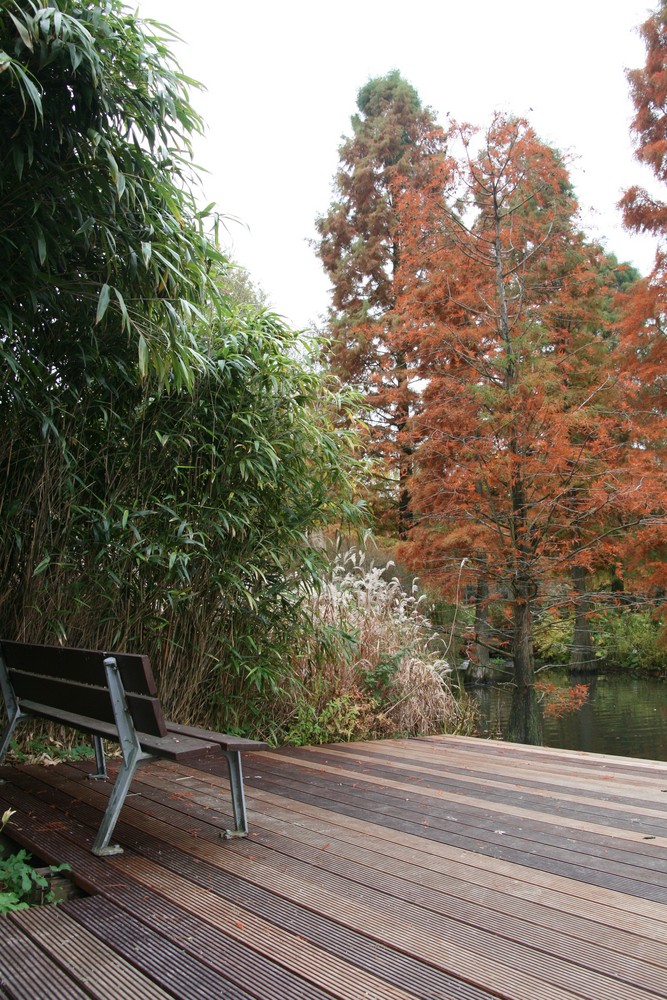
434,868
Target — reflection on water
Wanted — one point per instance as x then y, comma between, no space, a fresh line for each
624,715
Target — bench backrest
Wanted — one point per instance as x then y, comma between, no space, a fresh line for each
75,681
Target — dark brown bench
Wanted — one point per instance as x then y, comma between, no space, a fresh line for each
110,696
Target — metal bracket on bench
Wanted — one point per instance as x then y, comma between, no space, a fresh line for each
238,796
132,755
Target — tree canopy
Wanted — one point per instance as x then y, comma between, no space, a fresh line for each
522,464
395,144
488,334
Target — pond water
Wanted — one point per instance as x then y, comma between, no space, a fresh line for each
624,715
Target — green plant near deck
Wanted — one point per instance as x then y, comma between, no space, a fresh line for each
104,253
378,679
553,638
180,524
19,878
336,721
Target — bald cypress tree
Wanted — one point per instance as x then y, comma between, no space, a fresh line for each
394,145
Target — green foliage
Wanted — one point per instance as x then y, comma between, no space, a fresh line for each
632,640
103,252
378,679
19,879
337,721
624,639
42,748
237,285
553,638
178,523
168,447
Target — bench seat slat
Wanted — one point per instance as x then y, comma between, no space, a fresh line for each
223,740
175,747
178,748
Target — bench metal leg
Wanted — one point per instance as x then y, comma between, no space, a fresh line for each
12,723
238,796
100,759
14,713
102,848
132,754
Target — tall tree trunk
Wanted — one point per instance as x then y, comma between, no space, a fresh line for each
582,657
525,721
405,448
404,498
482,627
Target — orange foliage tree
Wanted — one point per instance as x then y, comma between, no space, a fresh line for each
645,307
525,463
394,146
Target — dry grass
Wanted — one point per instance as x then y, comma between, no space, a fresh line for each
376,670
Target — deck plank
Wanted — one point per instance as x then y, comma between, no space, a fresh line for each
154,954
25,968
435,868
94,966
515,835
563,806
366,909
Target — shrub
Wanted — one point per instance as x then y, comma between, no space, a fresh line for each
633,640
624,639
372,668
166,451
553,638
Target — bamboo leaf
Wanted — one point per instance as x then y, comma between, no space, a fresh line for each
41,246
123,309
44,564
75,55
85,226
32,91
114,166
19,158
103,302
143,356
23,32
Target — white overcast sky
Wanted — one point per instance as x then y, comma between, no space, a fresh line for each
282,79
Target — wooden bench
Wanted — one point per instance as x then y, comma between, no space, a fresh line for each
111,696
